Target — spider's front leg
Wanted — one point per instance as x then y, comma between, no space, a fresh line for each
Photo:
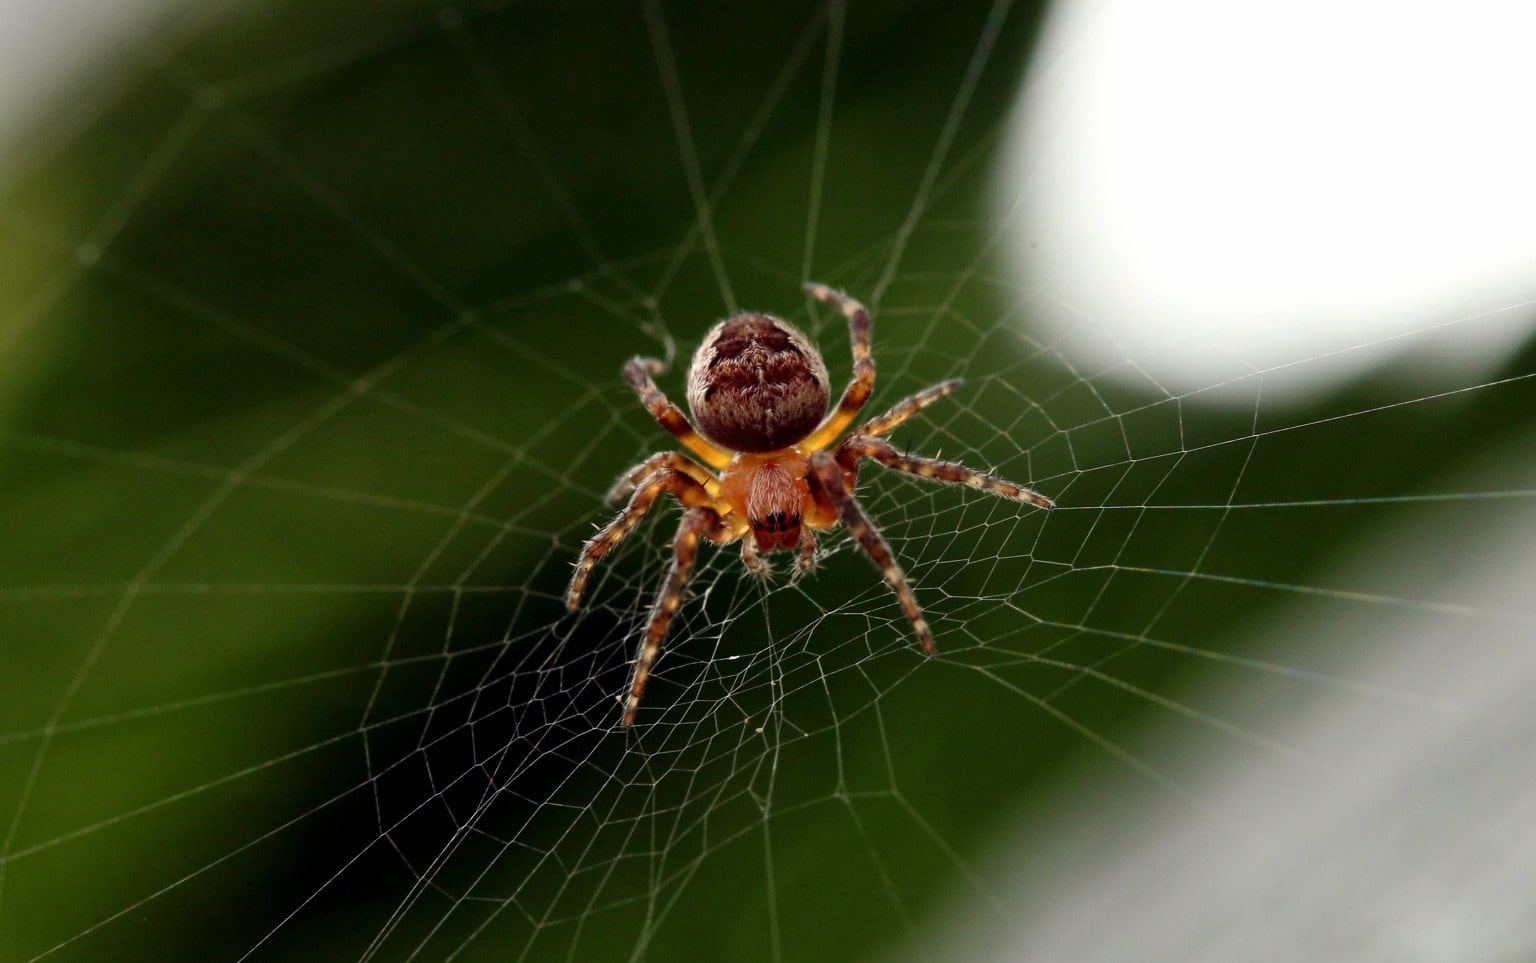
827,480
698,522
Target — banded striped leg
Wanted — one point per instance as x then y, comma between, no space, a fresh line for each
638,371
675,460
907,407
863,383
688,491
827,480
698,522
855,447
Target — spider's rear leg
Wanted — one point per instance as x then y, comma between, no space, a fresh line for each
675,460
638,371
855,447
827,478
688,491
863,383
698,522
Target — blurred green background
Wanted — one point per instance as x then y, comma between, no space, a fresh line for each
312,320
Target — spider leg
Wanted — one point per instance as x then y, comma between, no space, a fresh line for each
863,383
907,407
638,371
688,491
855,447
675,460
698,521
827,476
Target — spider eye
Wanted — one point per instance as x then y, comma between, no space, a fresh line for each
776,522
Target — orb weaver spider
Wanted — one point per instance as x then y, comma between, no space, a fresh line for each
758,390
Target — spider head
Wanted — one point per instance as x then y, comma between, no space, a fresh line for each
774,503
771,492
757,384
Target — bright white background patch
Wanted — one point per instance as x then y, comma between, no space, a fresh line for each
47,45
1210,186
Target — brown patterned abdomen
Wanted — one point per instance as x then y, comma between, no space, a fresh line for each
757,384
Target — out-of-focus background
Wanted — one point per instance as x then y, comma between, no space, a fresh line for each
311,319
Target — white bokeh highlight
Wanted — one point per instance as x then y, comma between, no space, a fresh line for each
48,46
1216,187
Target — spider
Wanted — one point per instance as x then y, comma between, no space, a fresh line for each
758,390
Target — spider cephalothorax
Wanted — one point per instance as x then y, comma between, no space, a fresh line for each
759,391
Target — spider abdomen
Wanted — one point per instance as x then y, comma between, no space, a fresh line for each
757,384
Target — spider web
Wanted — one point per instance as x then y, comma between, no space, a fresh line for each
312,327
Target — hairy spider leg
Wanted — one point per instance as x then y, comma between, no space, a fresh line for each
697,522
675,460
863,383
907,407
827,475
855,447
688,491
638,371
